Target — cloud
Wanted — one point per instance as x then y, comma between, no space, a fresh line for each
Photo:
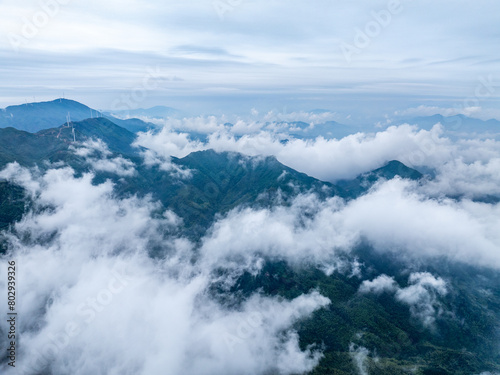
455,163
280,55
97,154
359,356
468,179
395,216
382,283
418,218
101,304
421,294
166,143
99,291
321,158
303,233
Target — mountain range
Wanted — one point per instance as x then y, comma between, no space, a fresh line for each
457,124
207,184
157,112
33,117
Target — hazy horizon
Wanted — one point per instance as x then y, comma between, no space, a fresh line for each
366,59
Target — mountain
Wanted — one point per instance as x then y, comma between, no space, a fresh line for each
222,181
158,112
117,138
133,125
465,337
218,182
13,203
365,181
465,342
33,117
456,124
53,144
28,148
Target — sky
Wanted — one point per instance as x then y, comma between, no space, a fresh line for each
363,58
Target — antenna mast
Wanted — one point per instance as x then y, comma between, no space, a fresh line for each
68,120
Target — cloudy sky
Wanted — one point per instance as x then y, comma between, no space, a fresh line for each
368,57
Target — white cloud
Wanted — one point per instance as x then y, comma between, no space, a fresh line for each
359,356
332,159
470,179
395,216
250,51
94,301
421,294
97,154
307,232
382,283
463,168
167,143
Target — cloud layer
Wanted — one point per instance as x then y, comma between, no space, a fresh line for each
464,167
101,305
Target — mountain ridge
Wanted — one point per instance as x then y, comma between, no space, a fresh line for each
34,117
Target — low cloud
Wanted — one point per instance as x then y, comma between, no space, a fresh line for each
359,355
99,291
395,216
97,154
421,294
345,158
381,284
101,304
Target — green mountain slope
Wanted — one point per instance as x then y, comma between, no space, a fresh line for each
465,339
53,144
218,182
12,203
117,138
222,181
28,148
